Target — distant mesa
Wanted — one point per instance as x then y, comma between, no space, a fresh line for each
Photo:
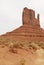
30,29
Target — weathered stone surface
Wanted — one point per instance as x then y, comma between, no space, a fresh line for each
30,30
28,17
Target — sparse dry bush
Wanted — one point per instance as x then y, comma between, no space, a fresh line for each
14,45
33,46
41,44
13,50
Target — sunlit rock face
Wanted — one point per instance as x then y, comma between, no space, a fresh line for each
28,17
30,29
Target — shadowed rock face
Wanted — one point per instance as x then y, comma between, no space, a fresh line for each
30,30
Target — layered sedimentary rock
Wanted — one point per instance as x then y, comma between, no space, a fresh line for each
30,29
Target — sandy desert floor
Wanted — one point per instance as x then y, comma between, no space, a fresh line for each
21,56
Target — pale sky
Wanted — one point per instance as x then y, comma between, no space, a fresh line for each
11,13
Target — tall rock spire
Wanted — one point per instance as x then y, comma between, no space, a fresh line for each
28,17
38,17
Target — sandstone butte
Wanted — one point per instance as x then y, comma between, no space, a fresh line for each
30,29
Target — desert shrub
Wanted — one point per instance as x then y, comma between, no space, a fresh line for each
12,47
2,46
41,44
16,45
13,50
33,46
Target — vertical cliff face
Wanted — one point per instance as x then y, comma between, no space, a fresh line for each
30,30
28,18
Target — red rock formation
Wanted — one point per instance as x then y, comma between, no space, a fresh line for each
28,17
30,30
